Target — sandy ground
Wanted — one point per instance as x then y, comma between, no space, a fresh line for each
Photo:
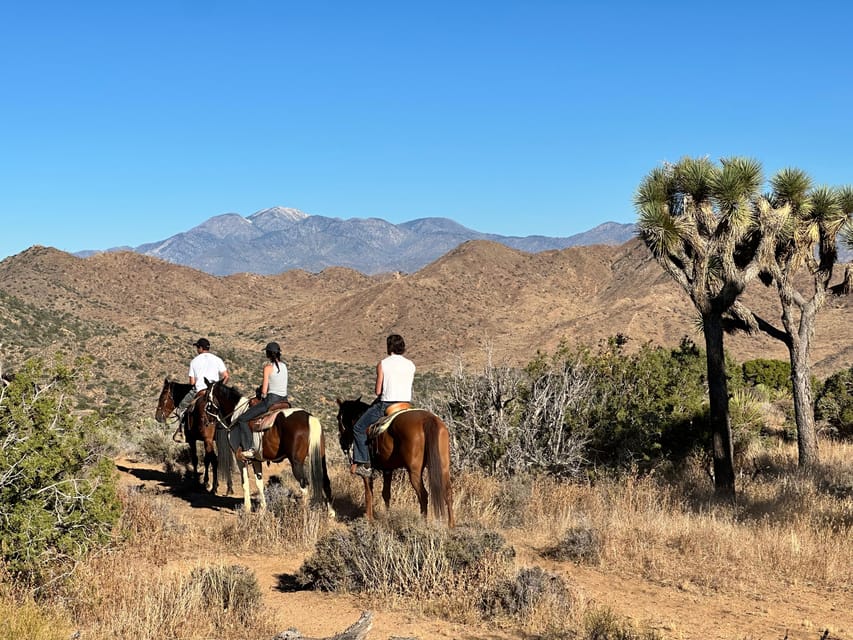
674,611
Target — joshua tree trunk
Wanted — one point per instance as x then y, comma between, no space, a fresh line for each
718,395
799,348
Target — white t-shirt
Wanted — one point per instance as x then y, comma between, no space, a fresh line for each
206,365
398,373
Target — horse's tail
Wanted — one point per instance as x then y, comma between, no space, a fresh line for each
438,464
315,459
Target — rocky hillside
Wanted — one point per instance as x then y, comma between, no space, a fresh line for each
137,315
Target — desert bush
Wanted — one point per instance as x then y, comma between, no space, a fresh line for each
403,557
649,405
603,624
774,374
59,496
234,588
580,409
520,595
834,403
581,544
287,523
508,421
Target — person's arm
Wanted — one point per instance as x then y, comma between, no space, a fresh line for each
224,376
265,384
380,376
192,382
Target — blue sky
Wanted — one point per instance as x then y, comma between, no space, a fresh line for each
123,123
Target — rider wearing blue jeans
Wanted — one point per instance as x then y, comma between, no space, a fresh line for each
394,377
273,389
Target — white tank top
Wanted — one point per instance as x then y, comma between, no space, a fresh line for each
278,380
398,373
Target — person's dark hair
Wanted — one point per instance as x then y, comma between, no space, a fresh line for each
396,344
273,352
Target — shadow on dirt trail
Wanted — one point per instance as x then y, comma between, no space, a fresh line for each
182,487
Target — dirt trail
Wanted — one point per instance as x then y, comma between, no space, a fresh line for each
678,612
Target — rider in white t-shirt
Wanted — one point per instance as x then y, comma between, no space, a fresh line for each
204,365
394,377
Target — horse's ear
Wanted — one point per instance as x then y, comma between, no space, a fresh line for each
358,399
339,401
208,382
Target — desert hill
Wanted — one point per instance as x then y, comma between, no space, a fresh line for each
133,311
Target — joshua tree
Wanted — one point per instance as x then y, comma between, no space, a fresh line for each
711,230
808,244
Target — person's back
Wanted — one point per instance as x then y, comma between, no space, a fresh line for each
205,365
398,376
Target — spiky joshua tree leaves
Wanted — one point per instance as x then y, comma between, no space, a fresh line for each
711,230
807,245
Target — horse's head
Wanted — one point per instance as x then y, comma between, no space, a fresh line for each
349,411
213,398
166,403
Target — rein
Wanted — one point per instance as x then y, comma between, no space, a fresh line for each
217,413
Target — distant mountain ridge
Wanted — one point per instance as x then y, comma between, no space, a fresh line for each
278,239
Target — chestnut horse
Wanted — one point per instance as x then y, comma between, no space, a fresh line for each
416,439
198,426
297,437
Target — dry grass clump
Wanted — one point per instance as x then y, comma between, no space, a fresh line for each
465,574
150,603
601,623
23,617
285,525
787,528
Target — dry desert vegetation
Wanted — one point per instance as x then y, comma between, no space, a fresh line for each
642,553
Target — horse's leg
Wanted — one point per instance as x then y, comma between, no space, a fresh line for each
210,462
259,480
368,498
386,488
299,474
416,477
194,457
327,488
247,491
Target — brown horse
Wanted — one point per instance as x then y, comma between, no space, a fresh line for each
197,426
416,439
297,437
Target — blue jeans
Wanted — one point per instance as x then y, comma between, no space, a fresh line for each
361,454
253,412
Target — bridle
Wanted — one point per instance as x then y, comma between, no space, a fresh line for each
209,402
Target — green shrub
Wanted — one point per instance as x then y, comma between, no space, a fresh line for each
646,407
834,403
774,374
59,494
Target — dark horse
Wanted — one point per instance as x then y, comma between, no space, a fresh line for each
416,439
197,426
297,437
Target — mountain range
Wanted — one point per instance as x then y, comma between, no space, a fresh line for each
275,240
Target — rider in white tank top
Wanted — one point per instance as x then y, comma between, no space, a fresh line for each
398,373
278,380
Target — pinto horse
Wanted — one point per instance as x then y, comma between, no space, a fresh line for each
415,439
297,437
197,426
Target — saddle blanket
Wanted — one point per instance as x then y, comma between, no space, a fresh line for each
381,426
264,422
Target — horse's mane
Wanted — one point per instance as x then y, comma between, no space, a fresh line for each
231,393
